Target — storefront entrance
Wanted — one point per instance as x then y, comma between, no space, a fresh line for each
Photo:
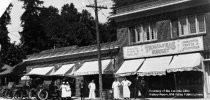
187,84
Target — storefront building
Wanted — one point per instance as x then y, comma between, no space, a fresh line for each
73,63
167,43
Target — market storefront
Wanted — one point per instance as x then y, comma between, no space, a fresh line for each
73,64
171,69
89,71
52,74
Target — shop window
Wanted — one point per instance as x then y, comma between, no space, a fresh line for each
183,29
143,33
150,32
174,26
201,24
139,34
190,25
132,35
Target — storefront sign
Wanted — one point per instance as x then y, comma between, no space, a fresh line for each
133,51
190,45
164,48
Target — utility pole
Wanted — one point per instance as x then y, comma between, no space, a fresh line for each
96,7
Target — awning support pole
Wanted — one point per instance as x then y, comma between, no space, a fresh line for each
175,84
205,86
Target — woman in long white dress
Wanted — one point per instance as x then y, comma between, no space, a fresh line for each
68,91
126,91
92,88
116,91
63,91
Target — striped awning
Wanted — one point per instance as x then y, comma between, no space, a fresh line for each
64,70
129,67
155,66
185,62
91,68
40,71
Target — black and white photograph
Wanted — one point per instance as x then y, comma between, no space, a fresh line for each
104,49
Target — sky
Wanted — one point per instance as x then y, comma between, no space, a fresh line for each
14,28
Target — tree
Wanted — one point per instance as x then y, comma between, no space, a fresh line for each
4,38
44,27
32,36
86,33
10,54
13,55
70,23
50,21
4,21
110,31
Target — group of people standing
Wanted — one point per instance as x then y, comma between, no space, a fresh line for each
91,87
125,84
140,86
65,91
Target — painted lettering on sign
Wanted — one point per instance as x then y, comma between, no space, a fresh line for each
164,48
187,45
133,51
160,48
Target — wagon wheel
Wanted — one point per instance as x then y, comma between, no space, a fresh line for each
32,93
9,94
18,94
43,94
4,93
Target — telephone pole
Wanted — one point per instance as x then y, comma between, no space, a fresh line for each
96,7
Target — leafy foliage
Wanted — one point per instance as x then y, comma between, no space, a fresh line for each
10,54
32,36
4,21
44,28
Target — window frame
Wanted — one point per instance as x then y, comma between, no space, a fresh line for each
204,17
188,33
142,36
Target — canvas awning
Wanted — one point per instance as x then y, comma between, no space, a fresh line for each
64,69
129,67
154,66
91,68
6,69
40,71
185,62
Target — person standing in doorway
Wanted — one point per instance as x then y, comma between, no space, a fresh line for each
92,88
137,87
115,88
63,91
143,88
82,89
68,91
126,91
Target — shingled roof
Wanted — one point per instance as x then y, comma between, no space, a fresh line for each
68,51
